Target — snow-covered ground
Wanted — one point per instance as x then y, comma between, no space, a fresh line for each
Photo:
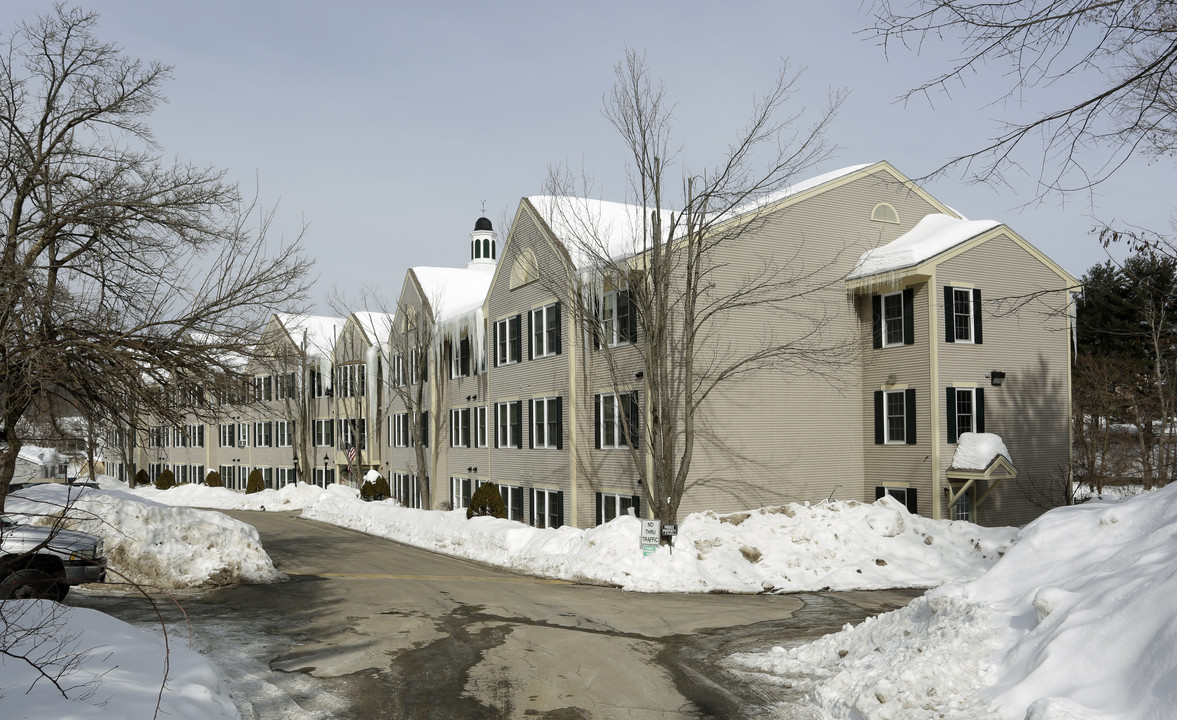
1073,618
1078,621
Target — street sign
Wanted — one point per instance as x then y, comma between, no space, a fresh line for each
669,530
650,532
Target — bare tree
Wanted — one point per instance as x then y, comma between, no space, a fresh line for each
1116,58
118,271
669,281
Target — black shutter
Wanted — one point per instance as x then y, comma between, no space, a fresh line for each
466,427
977,316
559,423
909,316
453,428
596,324
464,355
950,394
560,509
909,410
530,336
633,418
880,491
519,427
531,509
880,430
558,341
600,508
425,428
494,345
949,319
912,505
627,323
597,421
876,327
516,351
531,430
979,409
637,505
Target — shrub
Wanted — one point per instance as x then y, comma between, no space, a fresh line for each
486,500
213,479
165,480
141,478
375,490
254,483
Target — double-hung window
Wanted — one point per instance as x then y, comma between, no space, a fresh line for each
893,318
507,344
480,426
612,505
509,430
460,358
353,433
618,320
324,433
616,419
460,491
398,371
895,417
400,430
965,411
460,427
227,433
962,315
547,423
512,500
283,430
243,434
543,327
320,384
547,508
263,434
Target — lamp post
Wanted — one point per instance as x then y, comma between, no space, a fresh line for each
294,462
326,457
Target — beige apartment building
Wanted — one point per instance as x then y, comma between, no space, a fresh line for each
488,372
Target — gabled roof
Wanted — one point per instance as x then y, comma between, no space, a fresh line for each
321,331
453,292
376,325
931,236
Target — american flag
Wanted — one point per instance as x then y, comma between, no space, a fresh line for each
351,454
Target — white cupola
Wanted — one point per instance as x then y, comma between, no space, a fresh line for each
483,242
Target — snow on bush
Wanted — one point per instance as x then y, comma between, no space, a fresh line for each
154,544
840,545
108,668
1078,621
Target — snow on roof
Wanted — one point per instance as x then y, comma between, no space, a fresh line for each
977,451
377,325
453,292
590,227
321,331
39,455
931,236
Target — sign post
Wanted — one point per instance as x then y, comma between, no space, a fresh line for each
668,532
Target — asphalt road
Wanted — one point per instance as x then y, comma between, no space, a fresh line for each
368,628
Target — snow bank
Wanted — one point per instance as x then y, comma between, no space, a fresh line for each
841,545
151,543
118,672
1077,621
288,498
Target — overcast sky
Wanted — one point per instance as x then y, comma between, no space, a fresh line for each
385,126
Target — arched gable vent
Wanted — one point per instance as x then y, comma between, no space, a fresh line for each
884,212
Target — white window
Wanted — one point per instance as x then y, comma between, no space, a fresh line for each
284,387
544,327
263,434
896,417
353,433
893,319
508,421
965,413
546,423
400,430
398,371
963,508
349,380
507,342
618,321
228,433
480,429
460,489
324,433
324,476
460,358
283,429
962,315
460,427
612,505
243,434
285,476
320,386
617,420
263,388
546,508
513,500
406,489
